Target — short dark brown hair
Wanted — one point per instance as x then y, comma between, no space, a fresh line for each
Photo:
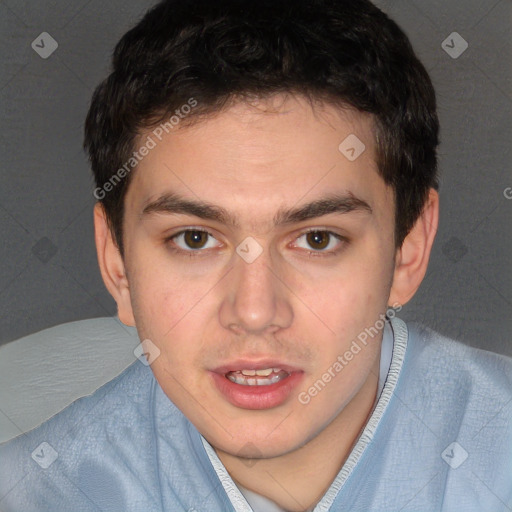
341,51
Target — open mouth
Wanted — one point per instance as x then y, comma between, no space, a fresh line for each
256,384
265,377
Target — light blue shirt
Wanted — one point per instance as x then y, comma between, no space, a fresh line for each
439,439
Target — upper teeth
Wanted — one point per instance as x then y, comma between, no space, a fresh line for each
263,373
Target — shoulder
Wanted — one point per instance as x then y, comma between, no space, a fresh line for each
124,393
463,393
452,361
452,408
41,465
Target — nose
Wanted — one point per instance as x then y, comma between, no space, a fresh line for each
256,300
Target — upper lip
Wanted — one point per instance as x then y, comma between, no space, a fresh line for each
254,364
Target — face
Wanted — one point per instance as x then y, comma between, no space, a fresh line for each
252,243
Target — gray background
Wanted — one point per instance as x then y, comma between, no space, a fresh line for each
49,273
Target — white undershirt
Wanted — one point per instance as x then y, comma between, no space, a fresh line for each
260,503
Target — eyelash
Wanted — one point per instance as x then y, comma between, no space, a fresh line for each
182,252
333,252
312,253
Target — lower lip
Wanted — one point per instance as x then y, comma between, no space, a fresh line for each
257,397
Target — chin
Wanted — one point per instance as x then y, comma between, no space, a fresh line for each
257,443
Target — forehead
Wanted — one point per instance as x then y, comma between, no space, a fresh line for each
253,159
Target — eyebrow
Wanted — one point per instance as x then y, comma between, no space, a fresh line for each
172,203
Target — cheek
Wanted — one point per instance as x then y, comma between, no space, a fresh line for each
170,321
162,296
351,296
163,311
159,307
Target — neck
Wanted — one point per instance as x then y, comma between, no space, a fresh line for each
297,480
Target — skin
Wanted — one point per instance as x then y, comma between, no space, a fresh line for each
294,303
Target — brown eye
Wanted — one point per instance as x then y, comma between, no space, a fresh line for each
320,242
195,239
318,239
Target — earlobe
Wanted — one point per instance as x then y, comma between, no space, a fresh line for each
112,266
413,256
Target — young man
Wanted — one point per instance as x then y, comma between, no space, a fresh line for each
266,177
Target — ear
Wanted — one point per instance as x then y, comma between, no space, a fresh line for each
112,266
412,258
